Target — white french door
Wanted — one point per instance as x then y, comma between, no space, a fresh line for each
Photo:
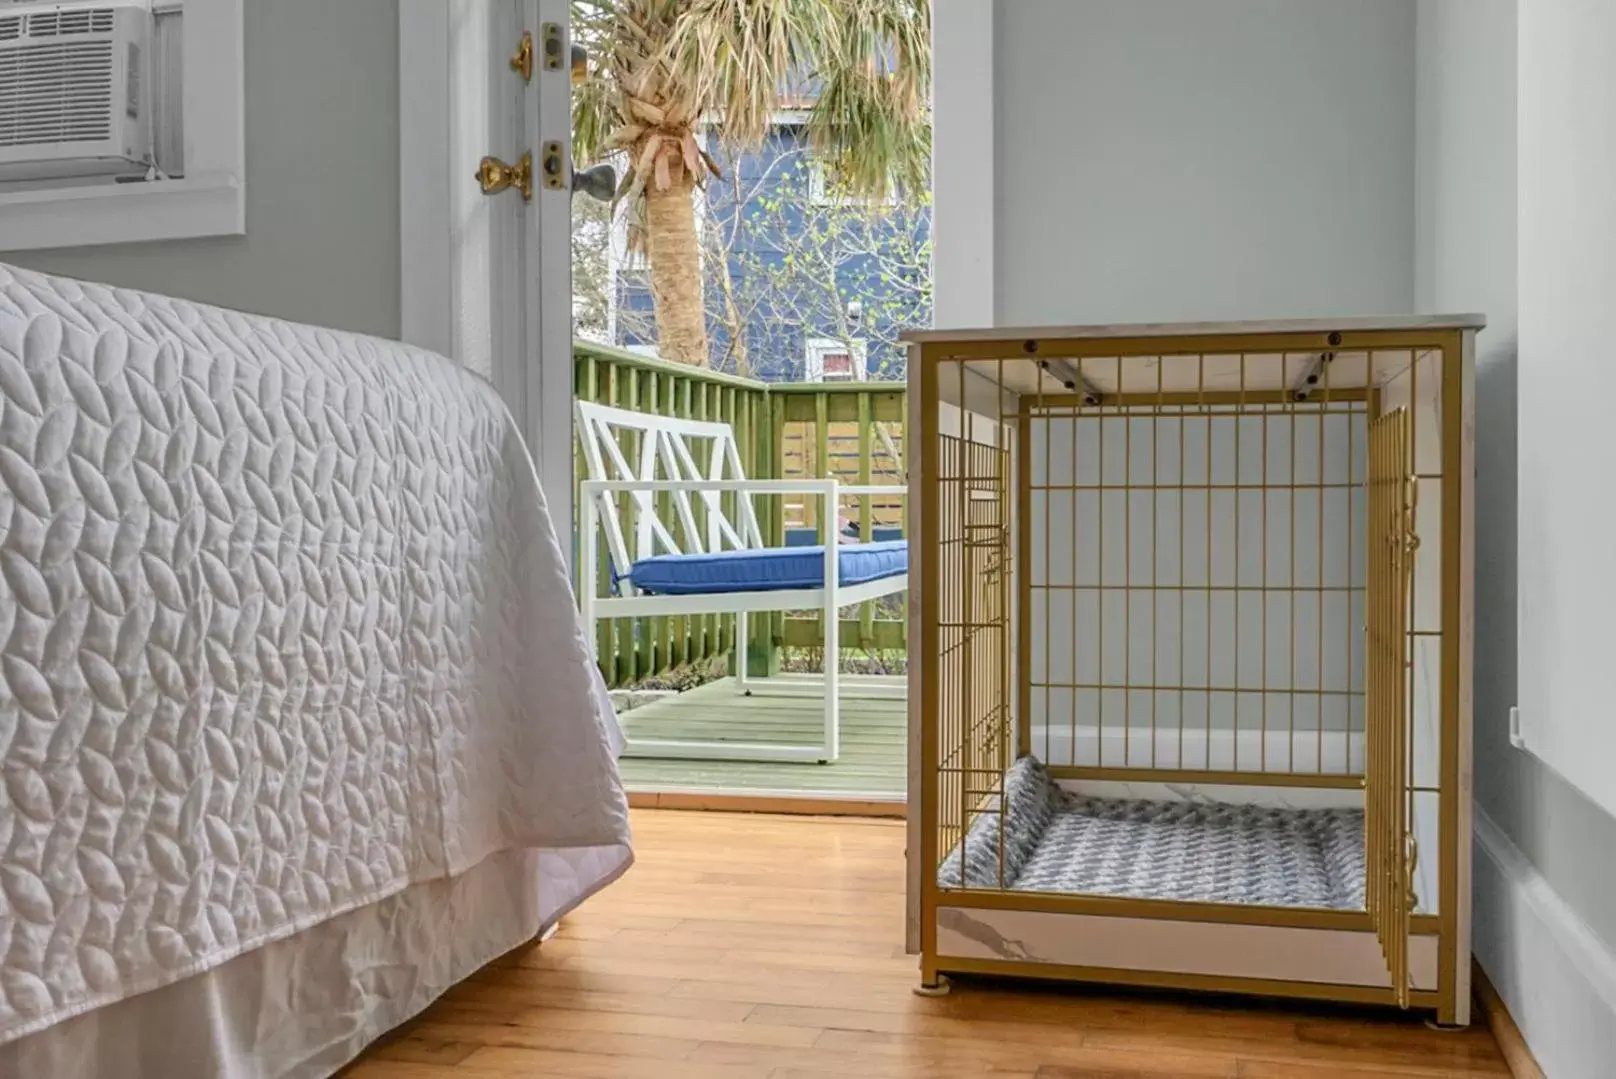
485,275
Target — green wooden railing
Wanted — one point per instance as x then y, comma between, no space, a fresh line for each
854,431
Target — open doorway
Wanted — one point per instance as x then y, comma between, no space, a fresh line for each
760,236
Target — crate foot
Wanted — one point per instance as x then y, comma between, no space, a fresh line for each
940,989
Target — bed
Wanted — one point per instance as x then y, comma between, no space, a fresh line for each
298,724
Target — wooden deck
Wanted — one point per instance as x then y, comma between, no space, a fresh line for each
871,767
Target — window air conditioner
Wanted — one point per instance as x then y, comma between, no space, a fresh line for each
75,98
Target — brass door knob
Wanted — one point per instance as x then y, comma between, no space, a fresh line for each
522,58
496,176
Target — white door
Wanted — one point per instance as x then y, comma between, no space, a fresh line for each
486,276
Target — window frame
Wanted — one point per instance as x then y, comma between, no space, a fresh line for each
815,349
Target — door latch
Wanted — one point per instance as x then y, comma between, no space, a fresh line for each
495,176
552,46
551,163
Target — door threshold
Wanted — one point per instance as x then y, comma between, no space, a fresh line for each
796,803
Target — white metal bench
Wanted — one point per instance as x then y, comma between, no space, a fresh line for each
720,565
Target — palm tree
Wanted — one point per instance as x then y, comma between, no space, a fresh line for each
663,72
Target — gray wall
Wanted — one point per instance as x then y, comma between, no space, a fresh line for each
1180,159
322,240
1185,630
1467,261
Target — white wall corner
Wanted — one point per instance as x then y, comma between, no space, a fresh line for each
963,164
1557,977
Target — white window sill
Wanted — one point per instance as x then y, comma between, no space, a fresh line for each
209,204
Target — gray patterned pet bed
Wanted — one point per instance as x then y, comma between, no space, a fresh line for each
1057,841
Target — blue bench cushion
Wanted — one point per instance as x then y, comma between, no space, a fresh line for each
772,569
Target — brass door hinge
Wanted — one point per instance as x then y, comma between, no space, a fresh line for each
522,58
496,176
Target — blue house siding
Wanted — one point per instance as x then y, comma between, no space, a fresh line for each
761,208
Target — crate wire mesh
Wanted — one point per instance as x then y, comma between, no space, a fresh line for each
1196,584
975,722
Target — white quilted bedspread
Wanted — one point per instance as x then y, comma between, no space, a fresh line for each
284,628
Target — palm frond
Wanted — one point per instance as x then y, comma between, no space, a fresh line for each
661,68
740,56
871,120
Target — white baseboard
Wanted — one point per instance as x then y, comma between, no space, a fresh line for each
1556,977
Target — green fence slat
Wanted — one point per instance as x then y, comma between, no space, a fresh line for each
866,439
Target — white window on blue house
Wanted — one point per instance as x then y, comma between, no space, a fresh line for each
818,190
830,360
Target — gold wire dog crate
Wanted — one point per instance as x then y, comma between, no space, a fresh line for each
1192,692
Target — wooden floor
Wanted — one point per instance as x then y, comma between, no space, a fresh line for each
870,768
753,947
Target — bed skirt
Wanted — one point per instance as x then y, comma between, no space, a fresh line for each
304,1006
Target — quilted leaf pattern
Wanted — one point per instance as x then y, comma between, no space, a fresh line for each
284,628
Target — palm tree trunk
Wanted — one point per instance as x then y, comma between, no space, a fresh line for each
675,252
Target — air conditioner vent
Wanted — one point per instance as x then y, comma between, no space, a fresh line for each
74,89
64,23
56,93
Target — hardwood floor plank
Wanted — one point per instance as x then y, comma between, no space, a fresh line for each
1473,1048
996,1056
541,1062
428,1047
518,1000
844,1064
1267,1069
757,947
375,1068
1119,1064
509,1036
1431,1054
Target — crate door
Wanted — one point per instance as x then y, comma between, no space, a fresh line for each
1388,835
